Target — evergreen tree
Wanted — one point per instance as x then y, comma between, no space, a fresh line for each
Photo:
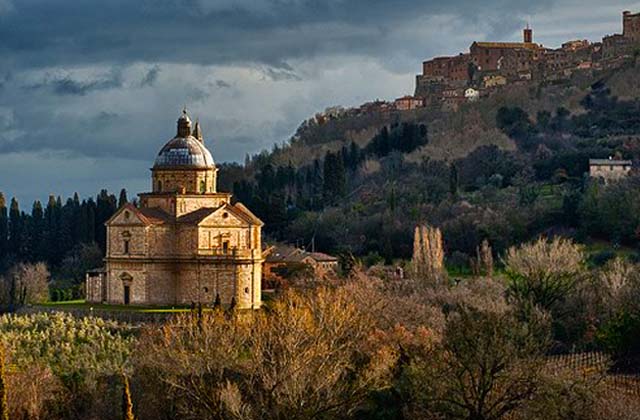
122,200
315,180
52,227
106,206
75,210
354,156
453,179
334,178
91,221
67,224
36,233
16,229
4,228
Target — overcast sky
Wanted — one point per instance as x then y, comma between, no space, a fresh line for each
91,89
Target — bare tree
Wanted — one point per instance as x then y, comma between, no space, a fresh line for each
483,262
428,254
486,368
310,359
195,358
25,283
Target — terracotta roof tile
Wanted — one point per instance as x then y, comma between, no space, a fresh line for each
197,216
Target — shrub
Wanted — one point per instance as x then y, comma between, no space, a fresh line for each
544,272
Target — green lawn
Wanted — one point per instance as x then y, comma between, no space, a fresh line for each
595,246
81,304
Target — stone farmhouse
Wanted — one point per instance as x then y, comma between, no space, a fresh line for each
282,259
490,65
186,242
609,170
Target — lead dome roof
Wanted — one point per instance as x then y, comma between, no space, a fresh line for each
184,150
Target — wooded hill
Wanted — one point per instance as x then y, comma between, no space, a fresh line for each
506,168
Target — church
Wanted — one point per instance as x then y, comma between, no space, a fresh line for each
186,242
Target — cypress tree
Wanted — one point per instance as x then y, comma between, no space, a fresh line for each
4,228
68,221
75,210
4,406
106,206
453,179
83,223
122,200
51,223
127,405
36,233
91,221
15,228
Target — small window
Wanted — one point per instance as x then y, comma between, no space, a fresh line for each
126,246
203,187
225,246
225,215
159,186
205,289
246,290
126,215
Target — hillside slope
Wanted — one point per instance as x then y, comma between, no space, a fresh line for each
505,168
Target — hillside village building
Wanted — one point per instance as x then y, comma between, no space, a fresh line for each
187,242
609,169
282,260
489,65
407,103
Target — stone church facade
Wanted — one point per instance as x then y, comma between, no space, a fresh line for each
185,243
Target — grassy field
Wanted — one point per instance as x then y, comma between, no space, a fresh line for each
81,304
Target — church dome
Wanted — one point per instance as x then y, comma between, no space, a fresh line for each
184,150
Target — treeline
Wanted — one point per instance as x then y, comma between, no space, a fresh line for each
366,199
50,233
365,346
590,132
279,194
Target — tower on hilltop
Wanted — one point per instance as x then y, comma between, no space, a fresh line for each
631,25
528,35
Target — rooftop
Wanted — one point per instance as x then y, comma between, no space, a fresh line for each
508,45
610,162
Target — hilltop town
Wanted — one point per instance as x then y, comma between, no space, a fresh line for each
490,67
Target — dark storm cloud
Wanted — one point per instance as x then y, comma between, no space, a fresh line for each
277,74
102,81
222,31
68,86
150,78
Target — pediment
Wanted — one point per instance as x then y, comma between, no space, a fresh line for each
127,215
226,215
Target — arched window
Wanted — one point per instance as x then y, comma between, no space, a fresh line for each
203,187
126,236
159,186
